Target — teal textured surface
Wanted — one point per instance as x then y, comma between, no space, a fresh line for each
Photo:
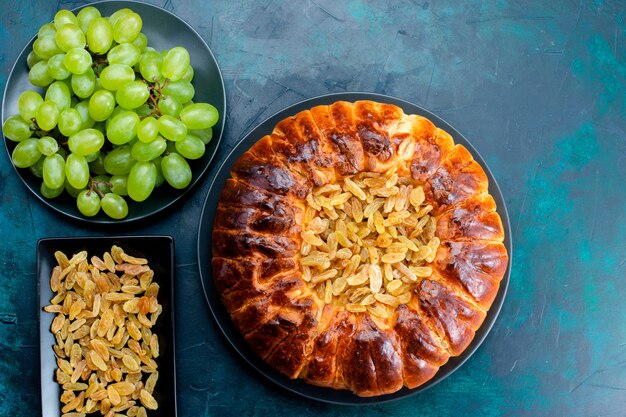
539,88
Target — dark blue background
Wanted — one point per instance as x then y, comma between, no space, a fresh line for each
539,89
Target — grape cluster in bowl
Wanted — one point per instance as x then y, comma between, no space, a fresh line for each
117,118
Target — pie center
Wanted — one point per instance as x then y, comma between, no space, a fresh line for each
367,241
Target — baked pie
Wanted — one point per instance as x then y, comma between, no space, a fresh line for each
357,247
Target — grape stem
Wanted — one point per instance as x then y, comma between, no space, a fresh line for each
156,93
35,128
55,134
97,61
92,186
161,86
155,105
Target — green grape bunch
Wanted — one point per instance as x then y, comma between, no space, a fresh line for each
117,117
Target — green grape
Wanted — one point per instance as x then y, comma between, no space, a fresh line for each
92,156
114,206
119,161
132,141
205,135
97,165
59,93
77,171
116,75
172,128
117,14
150,65
144,110
117,110
86,142
101,105
88,203
37,168
148,151
63,17
70,36
115,107
83,109
102,184
86,16
127,27
141,41
56,67
47,30
123,127
54,171
175,63
70,122
119,184
188,74
77,60
124,53
170,106
181,89
84,84
62,152
28,103
148,130
191,147
132,95
16,129
199,116
176,170
160,179
141,180
47,145
99,126
46,47
98,86
100,35
47,115
49,192
39,76
171,147
25,153
32,59
72,191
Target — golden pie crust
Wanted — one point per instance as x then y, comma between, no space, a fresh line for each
257,241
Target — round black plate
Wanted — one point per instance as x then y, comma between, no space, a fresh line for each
164,30
221,315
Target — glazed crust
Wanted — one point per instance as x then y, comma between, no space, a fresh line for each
256,244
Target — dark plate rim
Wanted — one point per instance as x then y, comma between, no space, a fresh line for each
166,240
179,193
204,240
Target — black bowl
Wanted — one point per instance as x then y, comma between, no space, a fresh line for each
221,315
164,30
159,251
